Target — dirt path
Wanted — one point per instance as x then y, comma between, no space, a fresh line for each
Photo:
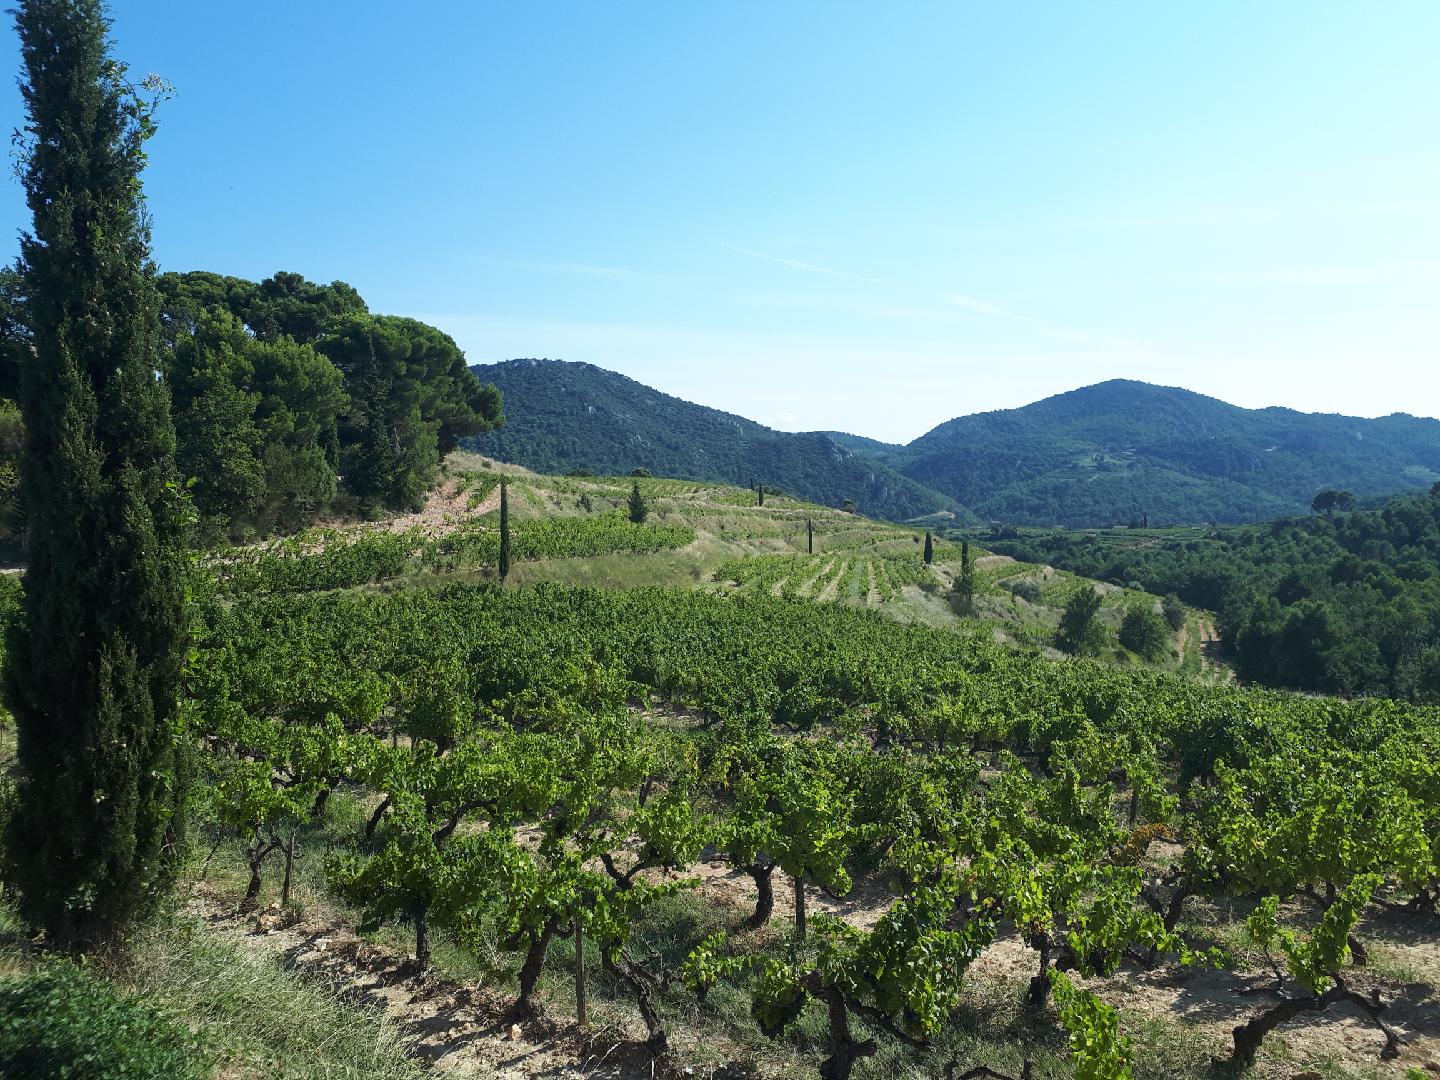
807,587
831,591
1208,640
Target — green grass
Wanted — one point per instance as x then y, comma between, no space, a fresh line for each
259,1021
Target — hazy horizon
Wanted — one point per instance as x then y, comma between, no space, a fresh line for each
833,217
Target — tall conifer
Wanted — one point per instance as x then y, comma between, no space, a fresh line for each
94,668
504,529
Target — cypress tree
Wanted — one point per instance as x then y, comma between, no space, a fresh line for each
504,530
639,511
963,595
929,549
95,665
809,537
759,495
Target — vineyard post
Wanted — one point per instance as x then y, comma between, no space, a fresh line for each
580,1017
809,536
799,880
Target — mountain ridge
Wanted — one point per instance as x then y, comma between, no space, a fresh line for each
569,416
1110,452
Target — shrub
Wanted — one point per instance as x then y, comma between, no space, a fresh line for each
1174,612
1079,633
1026,590
1143,631
64,1023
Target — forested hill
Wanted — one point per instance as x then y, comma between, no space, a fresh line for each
1124,450
562,416
1338,602
1108,454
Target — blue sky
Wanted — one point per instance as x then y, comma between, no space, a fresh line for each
870,217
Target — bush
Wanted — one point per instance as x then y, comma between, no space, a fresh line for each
1079,633
1026,589
1174,612
64,1023
1143,631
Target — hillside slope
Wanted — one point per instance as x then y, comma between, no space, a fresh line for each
1122,449
563,416
1116,452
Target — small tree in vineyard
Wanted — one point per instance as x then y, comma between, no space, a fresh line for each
639,510
504,567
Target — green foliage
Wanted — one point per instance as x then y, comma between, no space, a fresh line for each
502,558
1125,451
1315,963
256,422
1330,500
637,509
1079,633
93,675
1345,603
1145,631
294,381
482,712
1098,1049
1173,611
64,1023
781,574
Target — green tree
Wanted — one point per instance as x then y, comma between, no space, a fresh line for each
94,672
504,564
1079,633
217,441
1329,500
929,549
1145,632
962,596
290,431
639,510
1174,612
412,399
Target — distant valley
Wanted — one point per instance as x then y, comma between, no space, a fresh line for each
1115,452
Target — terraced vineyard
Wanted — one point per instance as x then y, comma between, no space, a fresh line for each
856,578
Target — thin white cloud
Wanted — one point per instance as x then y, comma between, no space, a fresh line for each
982,307
810,268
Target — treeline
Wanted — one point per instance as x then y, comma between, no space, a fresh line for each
1344,603
289,398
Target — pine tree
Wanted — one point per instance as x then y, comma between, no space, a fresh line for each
929,549
504,529
94,668
639,511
